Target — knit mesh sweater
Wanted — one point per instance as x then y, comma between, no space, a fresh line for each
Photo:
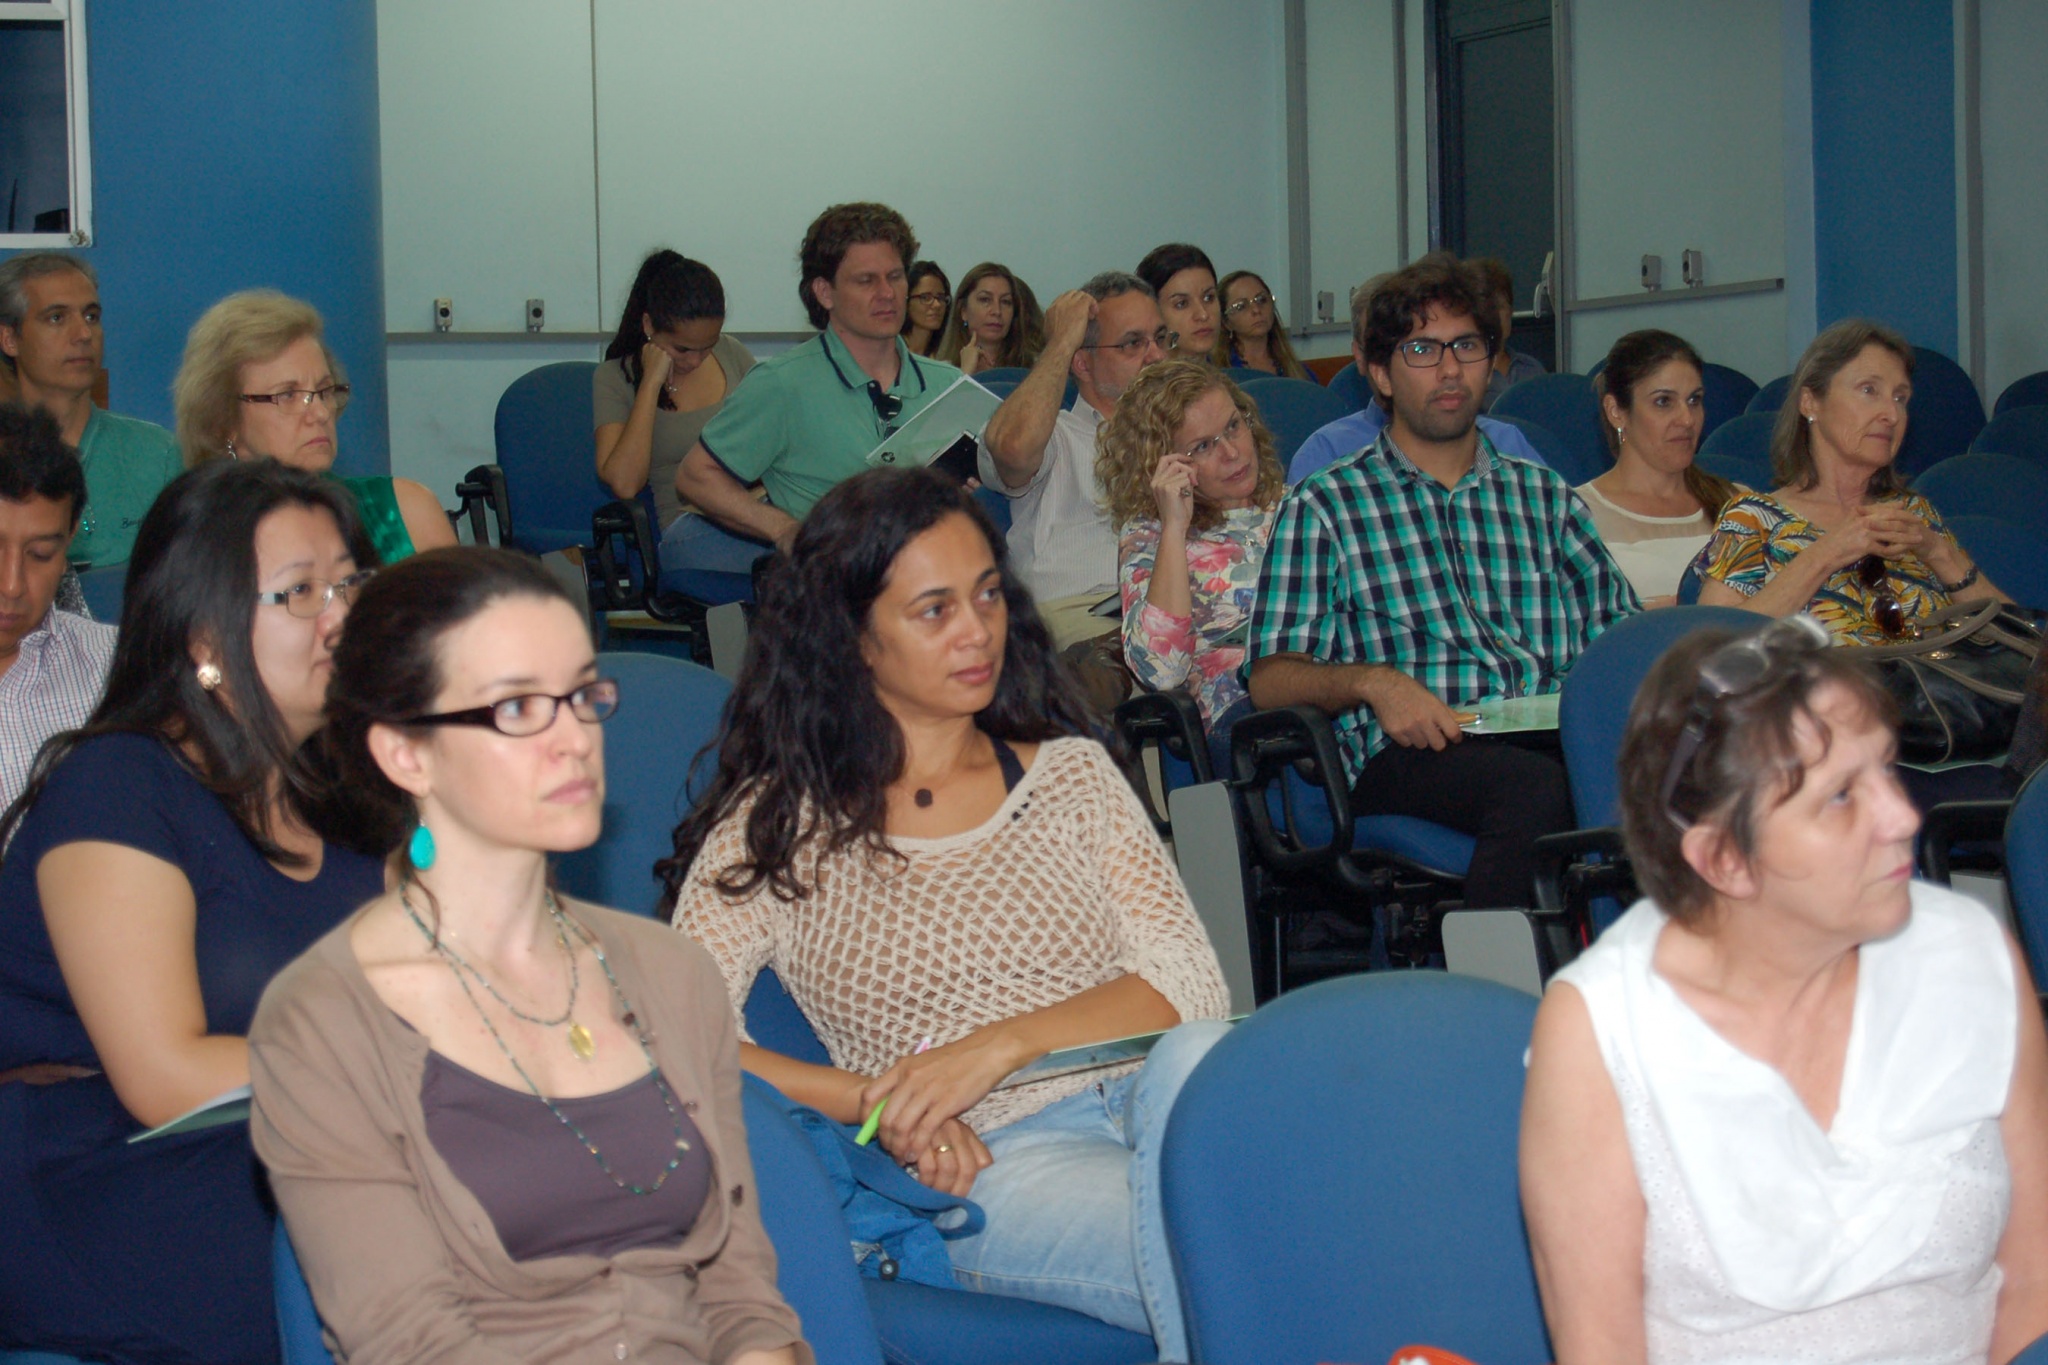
1064,888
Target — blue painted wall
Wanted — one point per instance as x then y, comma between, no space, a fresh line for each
1884,165
235,145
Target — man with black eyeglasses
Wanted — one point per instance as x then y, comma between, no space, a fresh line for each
1430,572
51,343
1041,455
806,419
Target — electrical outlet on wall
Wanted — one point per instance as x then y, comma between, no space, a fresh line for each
1694,266
444,314
1653,272
1326,306
536,315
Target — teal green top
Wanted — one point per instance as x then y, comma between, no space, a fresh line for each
804,420
377,504
127,463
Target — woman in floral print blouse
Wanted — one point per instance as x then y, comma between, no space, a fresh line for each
1192,483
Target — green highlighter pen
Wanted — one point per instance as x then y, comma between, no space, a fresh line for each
867,1130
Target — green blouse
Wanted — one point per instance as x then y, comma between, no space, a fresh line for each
377,504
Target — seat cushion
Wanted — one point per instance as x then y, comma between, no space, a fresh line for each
920,1325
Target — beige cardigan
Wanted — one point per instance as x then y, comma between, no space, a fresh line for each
404,1263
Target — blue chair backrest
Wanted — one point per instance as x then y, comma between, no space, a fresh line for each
1001,388
1771,396
2003,486
104,588
545,448
1728,393
2012,556
1740,449
1406,1226
1292,410
2026,862
298,1322
1600,688
996,505
813,1268
1547,442
1349,385
2021,431
2029,390
1943,416
669,710
1564,403
775,1022
1012,375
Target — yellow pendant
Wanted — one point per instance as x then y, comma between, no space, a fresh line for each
581,1043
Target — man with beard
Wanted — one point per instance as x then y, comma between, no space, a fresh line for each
1430,572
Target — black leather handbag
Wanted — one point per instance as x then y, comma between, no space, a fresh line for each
1960,682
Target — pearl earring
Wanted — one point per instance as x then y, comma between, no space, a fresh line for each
209,675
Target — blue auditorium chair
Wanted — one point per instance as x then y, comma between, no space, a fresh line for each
1402,1221
1771,396
1943,416
2013,556
2029,390
1728,393
298,1322
1547,442
2006,487
2021,431
2026,857
1293,409
921,1325
1740,450
1349,385
1012,375
543,430
1565,403
669,710
103,588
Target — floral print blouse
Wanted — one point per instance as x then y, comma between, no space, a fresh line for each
1758,535
1205,649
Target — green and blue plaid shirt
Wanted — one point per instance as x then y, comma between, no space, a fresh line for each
1486,590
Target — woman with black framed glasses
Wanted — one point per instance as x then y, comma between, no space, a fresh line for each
163,866
500,1123
1793,1105
257,381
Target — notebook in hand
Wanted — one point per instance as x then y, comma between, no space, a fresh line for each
944,433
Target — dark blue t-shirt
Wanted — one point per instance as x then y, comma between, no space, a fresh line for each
251,918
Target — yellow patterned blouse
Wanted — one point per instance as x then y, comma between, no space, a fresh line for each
1758,535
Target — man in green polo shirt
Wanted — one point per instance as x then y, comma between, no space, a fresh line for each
51,342
806,419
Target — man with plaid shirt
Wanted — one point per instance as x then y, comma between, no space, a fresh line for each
1428,572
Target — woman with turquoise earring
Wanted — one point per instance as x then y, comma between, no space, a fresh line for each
501,1123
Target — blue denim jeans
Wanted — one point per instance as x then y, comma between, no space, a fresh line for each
1074,1216
695,541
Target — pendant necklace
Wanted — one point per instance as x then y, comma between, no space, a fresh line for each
580,1041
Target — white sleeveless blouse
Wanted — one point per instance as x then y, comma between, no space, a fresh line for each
1769,1240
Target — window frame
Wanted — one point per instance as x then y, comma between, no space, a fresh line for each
77,120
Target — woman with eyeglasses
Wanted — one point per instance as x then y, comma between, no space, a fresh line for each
258,381
502,1124
163,866
990,328
1655,509
913,826
1185,281
654,391
1794,1104
1253,336
1841,537
1192,483
927,308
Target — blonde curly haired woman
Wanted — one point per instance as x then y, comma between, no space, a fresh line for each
1192,483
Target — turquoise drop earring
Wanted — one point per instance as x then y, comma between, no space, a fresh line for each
421,849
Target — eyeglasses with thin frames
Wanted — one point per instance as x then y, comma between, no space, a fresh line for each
1740,666
308,599
333,397
530,713
1134,345
1426,353
1209,445
1255,301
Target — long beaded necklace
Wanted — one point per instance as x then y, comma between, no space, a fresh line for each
580,1041
626,1014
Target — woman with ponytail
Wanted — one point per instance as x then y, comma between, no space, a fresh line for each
1655,509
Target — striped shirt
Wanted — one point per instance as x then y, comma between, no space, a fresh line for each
53,685
1485,590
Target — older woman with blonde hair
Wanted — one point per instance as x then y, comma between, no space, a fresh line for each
258,381
1842,537
1191,481
991,326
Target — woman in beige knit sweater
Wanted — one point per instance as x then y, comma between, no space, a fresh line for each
911,827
